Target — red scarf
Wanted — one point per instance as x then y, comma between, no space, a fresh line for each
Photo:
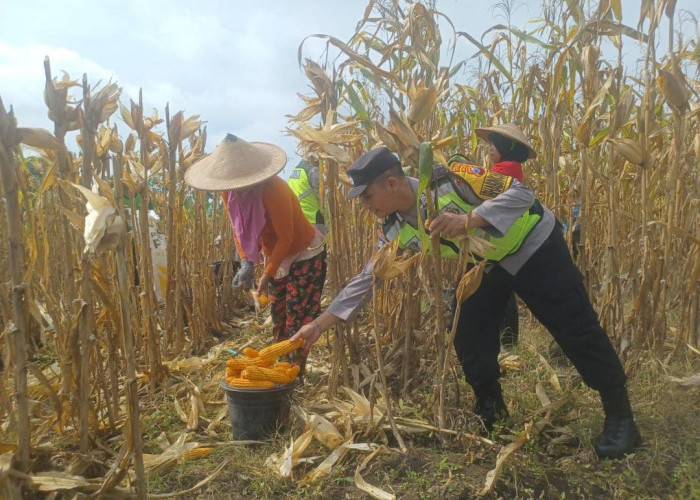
510,168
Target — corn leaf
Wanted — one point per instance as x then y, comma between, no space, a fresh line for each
38,138
470,282
490,55
360,482
425,173
526,37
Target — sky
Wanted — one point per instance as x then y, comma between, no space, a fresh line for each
233,62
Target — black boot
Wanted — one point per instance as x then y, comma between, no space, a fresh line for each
490,406
620,435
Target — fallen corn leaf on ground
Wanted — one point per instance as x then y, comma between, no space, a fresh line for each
559,462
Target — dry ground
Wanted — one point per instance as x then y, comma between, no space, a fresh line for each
558,464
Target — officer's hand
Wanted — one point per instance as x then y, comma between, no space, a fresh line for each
308,334
448,225
245,276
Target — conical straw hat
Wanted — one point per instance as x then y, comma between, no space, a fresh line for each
236,164
510,131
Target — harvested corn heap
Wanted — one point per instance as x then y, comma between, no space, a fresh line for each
262,370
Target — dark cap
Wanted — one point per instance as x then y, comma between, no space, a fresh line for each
368,167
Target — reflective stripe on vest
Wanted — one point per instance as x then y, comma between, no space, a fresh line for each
408,238
301,187
450,201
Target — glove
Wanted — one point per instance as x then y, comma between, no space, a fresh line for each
245,276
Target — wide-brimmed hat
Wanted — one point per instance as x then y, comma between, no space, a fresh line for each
509,131
236,164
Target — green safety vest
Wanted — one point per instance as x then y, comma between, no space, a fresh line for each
308,198
485,185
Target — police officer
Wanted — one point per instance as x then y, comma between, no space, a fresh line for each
304,182
529,257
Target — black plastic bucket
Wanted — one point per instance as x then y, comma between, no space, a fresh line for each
257,413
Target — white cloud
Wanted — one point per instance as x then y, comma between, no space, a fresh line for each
233,62
229,62
156,94
22,77
188,37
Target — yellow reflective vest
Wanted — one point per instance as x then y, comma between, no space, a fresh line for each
485,185
308,197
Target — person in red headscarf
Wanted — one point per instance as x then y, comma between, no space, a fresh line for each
507,154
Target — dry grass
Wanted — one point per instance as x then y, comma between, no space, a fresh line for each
560,463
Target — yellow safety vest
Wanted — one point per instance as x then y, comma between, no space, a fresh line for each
485,185
308,198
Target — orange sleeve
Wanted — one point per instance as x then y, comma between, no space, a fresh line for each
280,213
239,249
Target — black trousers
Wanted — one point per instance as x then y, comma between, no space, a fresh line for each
552,288
510,326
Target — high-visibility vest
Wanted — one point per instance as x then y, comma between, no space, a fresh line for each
308,198
485,185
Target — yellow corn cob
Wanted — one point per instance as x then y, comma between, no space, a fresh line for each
249,352
230,372
237,364
261,299
258,373
282,364
241,363
249,384
293,372
274,351
195,453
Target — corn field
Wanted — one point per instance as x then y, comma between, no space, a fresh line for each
85,335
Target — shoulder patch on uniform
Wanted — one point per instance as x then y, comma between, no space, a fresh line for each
494,184
467,168
296,173
484,183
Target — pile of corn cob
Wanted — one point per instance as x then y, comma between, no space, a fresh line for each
261,369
